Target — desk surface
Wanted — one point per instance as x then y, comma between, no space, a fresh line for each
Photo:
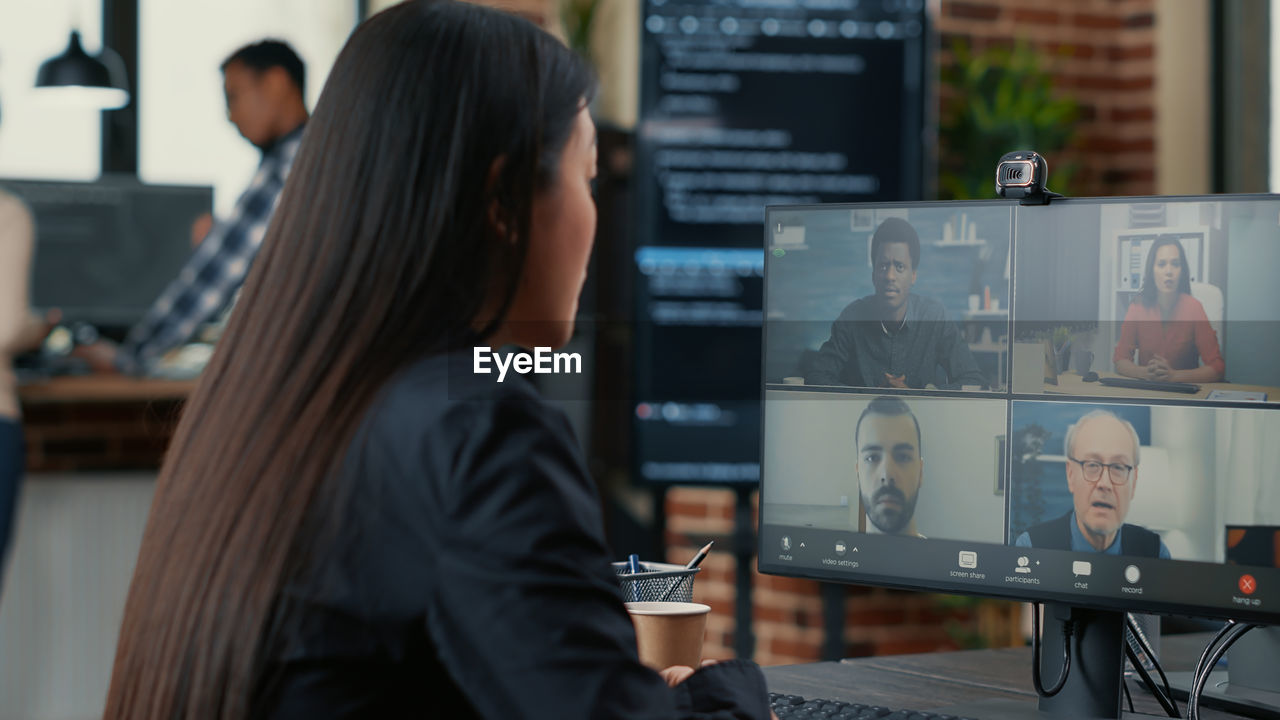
1069,383
938,680
103,388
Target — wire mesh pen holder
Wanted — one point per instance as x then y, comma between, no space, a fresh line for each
656,582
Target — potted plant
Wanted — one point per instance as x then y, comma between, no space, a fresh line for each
578,17
994,101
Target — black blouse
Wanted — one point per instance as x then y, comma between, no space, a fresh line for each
469,576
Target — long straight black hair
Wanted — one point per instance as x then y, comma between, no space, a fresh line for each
401,232
1149,291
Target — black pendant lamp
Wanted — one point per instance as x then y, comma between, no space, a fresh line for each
79,79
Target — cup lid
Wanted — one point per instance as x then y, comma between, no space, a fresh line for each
667,608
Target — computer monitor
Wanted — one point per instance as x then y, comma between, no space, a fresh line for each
1075,404
106,249
744,103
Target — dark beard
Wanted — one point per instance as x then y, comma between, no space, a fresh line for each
890,521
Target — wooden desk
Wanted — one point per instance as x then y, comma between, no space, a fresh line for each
103,388
940,680
1069,383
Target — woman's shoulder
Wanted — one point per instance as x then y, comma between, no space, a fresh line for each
439,405
445,388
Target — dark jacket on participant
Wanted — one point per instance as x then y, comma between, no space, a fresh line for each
1056,535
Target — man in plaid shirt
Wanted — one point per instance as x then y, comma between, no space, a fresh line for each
265,85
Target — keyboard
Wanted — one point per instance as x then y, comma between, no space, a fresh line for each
794,707
1136,384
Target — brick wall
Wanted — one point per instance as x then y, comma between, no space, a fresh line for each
94,436
787,612
1100,51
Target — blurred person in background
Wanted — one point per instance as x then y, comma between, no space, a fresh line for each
265,86
20,330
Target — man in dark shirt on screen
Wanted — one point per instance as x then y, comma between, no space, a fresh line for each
894,338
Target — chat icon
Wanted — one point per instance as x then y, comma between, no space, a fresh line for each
1082,568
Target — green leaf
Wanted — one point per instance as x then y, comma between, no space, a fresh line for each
1001,99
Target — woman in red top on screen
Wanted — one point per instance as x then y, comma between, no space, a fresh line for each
1167,326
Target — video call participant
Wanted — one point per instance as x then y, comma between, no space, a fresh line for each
1167,326
343,526
1102,474
265,84
894,338
890,466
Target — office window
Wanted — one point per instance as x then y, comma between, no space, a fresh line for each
184,136
38,140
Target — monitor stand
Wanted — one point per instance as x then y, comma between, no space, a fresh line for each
1093,688
1250,686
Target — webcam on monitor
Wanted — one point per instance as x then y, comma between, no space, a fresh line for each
1024,175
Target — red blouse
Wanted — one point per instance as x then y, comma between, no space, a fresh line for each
1185,340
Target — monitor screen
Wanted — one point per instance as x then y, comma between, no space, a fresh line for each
743,104
1076,403
105,250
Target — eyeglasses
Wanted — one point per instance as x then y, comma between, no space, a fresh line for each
1118,473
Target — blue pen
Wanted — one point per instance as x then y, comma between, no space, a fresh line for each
633,564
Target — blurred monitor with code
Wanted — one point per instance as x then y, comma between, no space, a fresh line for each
745,104
106,249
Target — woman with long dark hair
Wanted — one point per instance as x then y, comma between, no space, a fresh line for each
350,522
1166,326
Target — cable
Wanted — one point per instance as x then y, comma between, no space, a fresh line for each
1204,656
1139,637
1067,628
1229,635
1165,702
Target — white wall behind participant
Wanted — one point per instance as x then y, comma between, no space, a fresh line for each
1245,481
1174,504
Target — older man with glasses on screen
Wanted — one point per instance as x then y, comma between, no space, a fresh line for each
1102,473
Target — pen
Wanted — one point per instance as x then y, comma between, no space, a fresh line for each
633,563
702,554
697,559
